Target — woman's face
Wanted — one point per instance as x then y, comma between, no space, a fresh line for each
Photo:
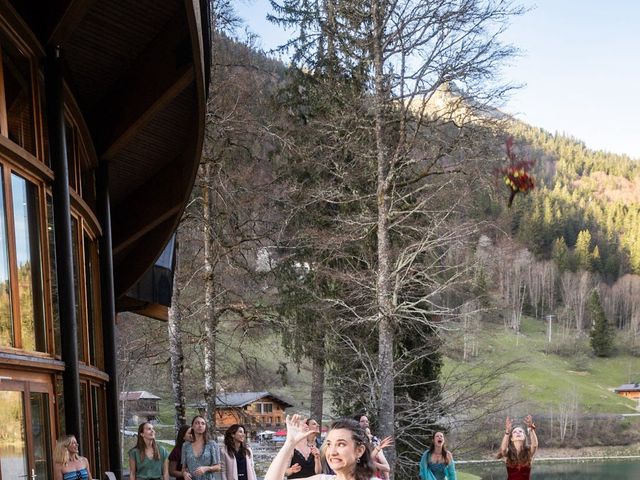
367,431
148,432
438,439
341,452
517,434
239,436
199,426
73,445
188,435
313,426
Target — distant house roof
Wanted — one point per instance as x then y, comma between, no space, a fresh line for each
240,399
628,387
138,395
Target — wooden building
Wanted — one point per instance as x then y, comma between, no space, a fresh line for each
629,390
255,410
102,107
139,406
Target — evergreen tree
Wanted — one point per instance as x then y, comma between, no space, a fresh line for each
560,254
582,250
602,333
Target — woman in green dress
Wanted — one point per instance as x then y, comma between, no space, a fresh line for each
147,460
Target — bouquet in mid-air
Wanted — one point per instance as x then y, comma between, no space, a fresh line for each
517,174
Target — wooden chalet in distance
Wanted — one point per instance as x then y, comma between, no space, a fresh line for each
255,410
139,406
102,108
629,390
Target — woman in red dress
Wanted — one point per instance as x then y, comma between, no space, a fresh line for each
518,448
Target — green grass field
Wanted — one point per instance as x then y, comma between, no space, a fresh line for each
546,379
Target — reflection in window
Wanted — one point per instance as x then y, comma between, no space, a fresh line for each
84,425
13,441
76,286
6,314
26,221
40,433
97,410
16,71
51,236
92,305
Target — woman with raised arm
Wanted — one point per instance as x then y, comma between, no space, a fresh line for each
67,464
147,459
345,450
380,463
305,461
437,462
518,449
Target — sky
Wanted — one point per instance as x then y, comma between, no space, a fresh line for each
579,66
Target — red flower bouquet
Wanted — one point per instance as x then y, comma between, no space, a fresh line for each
516,176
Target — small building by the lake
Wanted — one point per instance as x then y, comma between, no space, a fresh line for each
139,406
629,390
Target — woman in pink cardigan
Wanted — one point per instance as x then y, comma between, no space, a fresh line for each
236,457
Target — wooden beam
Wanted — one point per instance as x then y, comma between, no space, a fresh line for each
156,201
146,309
70,20
159,75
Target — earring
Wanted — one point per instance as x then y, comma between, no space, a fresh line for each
358,460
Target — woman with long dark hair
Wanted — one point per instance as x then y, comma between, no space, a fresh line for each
518,448
437,462
236,456
175,457
305,461
147,459
345,450
201,457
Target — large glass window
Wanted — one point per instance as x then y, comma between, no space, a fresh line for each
13,444
6,312
93,310
27,235
76,285
53,280
17,101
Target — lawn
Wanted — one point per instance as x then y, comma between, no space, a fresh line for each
547,379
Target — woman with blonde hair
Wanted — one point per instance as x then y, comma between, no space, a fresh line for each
147,460
67,464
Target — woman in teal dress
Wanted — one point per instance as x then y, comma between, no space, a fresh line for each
148,460
437,462
201,457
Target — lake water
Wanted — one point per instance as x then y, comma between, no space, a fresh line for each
586,470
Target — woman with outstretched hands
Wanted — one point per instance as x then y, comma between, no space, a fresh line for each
518,448
345,450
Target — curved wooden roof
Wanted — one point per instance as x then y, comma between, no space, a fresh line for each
137,71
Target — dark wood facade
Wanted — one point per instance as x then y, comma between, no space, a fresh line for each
101,127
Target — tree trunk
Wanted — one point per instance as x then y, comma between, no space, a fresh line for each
210,318
175,347
317,379
386,403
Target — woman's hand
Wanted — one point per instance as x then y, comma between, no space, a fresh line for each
528,421
508,425
186,476
385,442
315,452
297,429
295,468
198,472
